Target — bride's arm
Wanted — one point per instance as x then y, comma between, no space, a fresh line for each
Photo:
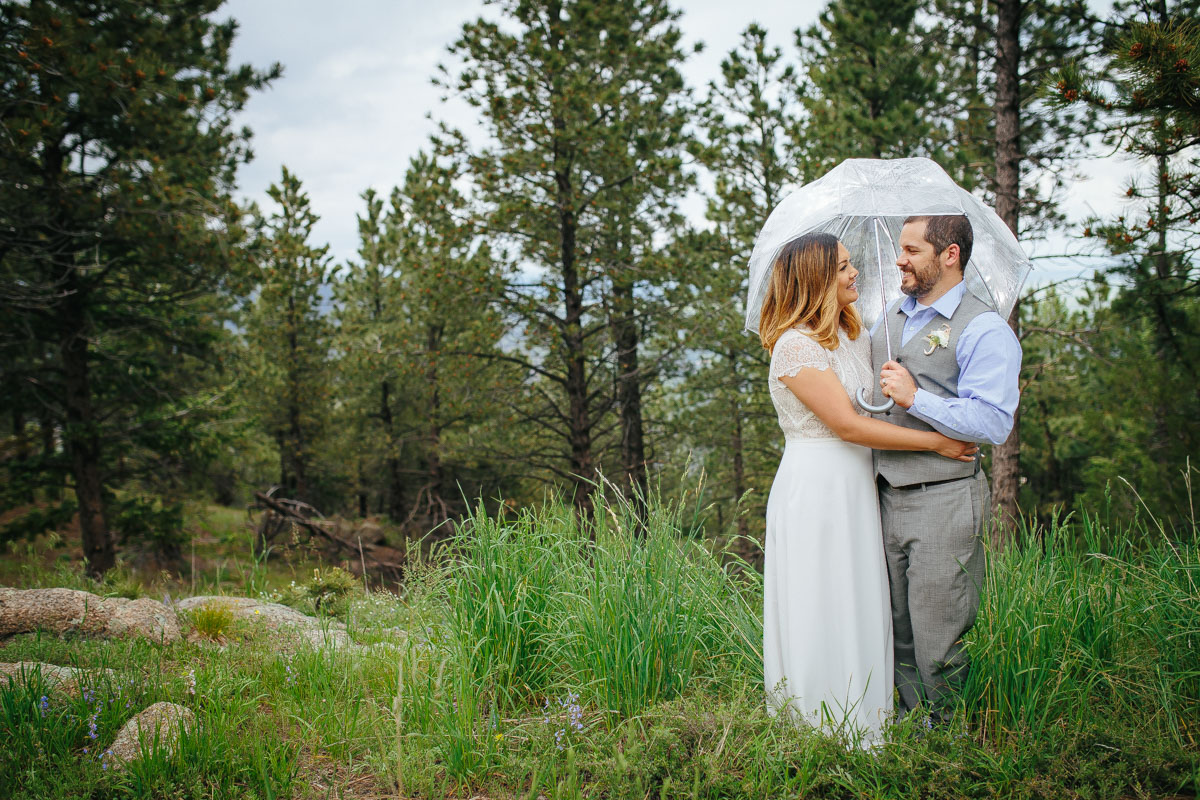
822,392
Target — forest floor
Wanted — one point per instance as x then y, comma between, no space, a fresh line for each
532,659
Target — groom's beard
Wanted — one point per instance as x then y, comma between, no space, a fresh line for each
924,281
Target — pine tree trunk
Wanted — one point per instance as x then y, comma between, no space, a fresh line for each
296,444
83,441
629,397
49,450
739,470
582,464
438,508
361,481
1160,286
583,469
1006,457
395,490
24,447
284,478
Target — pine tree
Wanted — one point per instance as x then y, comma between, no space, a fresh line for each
416,323
747,125
999,54
581,101
1147,83
874,88
116,164
369,311
288,338
449,330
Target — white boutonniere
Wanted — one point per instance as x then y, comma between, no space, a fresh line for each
936,339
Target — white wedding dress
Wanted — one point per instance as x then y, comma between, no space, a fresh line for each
827,623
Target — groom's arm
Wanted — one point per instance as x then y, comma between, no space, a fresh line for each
989,364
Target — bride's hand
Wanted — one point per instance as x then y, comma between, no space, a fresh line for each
953,448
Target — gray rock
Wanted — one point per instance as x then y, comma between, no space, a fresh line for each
66,680
158,726
333,638
298,629
66,610
145,617
55,610
273,615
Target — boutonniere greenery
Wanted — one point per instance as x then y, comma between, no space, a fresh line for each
936,339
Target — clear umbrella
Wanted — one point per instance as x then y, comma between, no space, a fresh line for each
864,202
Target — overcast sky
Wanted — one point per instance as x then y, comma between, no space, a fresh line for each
351,108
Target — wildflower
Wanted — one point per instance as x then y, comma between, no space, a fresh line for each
574,711
44,705
499,737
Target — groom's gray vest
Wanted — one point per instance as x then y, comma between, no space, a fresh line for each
936,373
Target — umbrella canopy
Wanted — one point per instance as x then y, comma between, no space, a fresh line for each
854,198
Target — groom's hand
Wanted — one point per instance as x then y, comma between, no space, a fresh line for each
898,384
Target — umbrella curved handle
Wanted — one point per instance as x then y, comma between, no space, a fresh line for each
865,404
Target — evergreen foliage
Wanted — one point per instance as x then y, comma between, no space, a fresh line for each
421,372
287,370
531,308
116,165
873,88
583,106
747,142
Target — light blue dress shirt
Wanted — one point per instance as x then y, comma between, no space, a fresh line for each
989,369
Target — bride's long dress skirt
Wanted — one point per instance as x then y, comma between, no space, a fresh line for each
827,638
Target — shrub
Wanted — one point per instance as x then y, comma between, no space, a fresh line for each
329,586
212,619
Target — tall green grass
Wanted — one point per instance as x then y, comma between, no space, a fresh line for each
621,658
1079,616
55,744
625,613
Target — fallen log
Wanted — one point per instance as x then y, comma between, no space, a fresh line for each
379,561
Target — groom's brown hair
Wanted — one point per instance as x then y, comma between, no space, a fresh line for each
942,230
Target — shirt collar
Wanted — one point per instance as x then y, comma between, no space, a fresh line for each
945,305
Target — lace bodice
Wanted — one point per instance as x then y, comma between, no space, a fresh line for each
794,351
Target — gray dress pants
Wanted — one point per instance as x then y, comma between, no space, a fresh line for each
932,540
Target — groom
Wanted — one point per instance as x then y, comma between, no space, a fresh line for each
955,371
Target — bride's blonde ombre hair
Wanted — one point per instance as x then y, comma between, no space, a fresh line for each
803,291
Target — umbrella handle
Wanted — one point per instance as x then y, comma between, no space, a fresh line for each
865,404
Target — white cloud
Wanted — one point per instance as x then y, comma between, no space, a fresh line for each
352,106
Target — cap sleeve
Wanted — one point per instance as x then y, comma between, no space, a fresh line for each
793,352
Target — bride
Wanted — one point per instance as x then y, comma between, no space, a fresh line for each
827,638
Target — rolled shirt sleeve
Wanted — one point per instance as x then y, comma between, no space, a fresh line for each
989,364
